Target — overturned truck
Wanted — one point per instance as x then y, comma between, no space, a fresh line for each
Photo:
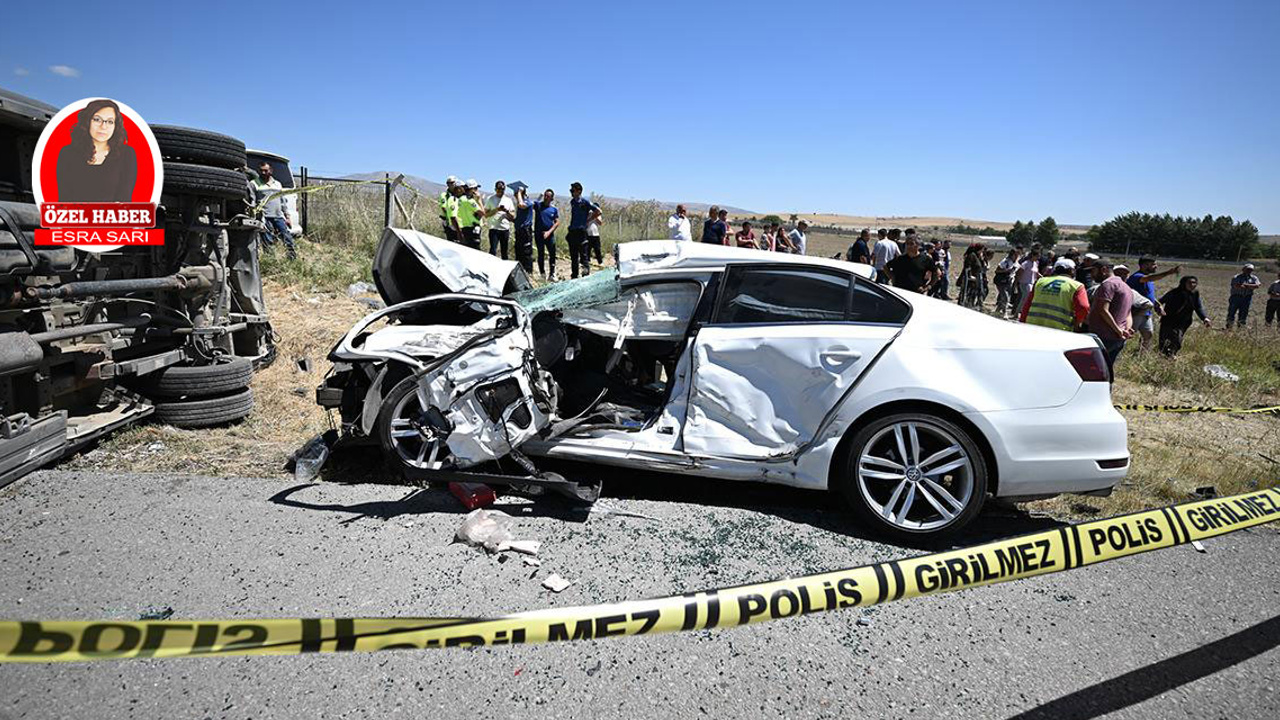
91,342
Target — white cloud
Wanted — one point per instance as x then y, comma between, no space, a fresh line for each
21,72
64,71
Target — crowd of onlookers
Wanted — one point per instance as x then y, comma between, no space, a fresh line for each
1070,291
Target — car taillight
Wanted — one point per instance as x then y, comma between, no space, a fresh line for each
1089,363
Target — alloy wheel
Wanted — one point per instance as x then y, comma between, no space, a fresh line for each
917,476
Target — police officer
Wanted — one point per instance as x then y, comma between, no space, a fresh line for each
446,207
1057,301
469,213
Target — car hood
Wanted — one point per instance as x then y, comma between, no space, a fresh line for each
409,265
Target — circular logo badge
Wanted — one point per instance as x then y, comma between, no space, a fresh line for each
96,169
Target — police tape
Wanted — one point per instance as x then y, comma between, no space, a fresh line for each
1269,410
307,189
1056,550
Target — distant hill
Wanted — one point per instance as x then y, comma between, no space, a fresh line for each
428,187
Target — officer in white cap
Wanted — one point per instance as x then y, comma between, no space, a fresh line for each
470,213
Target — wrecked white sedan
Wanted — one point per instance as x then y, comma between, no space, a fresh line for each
727,363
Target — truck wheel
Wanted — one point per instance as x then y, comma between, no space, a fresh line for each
205,411
201,147
187,179
917,476
198,380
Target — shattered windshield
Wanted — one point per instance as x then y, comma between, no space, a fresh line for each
601,287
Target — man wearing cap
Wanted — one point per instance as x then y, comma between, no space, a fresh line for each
1057,301
1242,287
1084,273
470,210
446,208
1144,282
499,211
581,212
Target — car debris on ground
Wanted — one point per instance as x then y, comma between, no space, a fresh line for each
555,583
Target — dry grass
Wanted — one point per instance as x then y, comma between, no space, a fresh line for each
285,415
1172,454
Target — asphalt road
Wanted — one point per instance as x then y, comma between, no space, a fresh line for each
1170,634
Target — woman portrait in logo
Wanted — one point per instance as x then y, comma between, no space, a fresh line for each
97,166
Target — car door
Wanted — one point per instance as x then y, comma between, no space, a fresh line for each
784,345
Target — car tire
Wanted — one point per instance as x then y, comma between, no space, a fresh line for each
401,412
205,412
199,147
201,181
938,490
197,381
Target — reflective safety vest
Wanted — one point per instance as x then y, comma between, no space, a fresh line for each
1051,303
444,206
467,210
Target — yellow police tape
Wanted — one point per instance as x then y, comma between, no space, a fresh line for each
1050,551
1272,410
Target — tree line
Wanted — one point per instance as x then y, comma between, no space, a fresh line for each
1208,238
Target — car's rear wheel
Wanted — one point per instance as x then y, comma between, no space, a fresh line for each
410,430
911,475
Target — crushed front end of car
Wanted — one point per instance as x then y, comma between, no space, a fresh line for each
446,379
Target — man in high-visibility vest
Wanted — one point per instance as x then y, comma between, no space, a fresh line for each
446,208
1057,301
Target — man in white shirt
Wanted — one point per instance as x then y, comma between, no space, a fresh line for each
1027,275
797,237
882,254
266,192
678,224
593,236
499,211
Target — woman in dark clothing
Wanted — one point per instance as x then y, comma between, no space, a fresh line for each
1179,304
97,166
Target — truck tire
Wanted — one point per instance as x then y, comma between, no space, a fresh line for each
197,381
187,179
200,147
205,411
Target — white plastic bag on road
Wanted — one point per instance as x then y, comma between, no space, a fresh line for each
489,529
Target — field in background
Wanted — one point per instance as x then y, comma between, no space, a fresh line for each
1172,454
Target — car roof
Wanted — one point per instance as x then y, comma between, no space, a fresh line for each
267,154
644,257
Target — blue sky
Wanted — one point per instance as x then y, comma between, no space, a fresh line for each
992,110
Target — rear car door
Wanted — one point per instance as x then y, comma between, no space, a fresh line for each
784,345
